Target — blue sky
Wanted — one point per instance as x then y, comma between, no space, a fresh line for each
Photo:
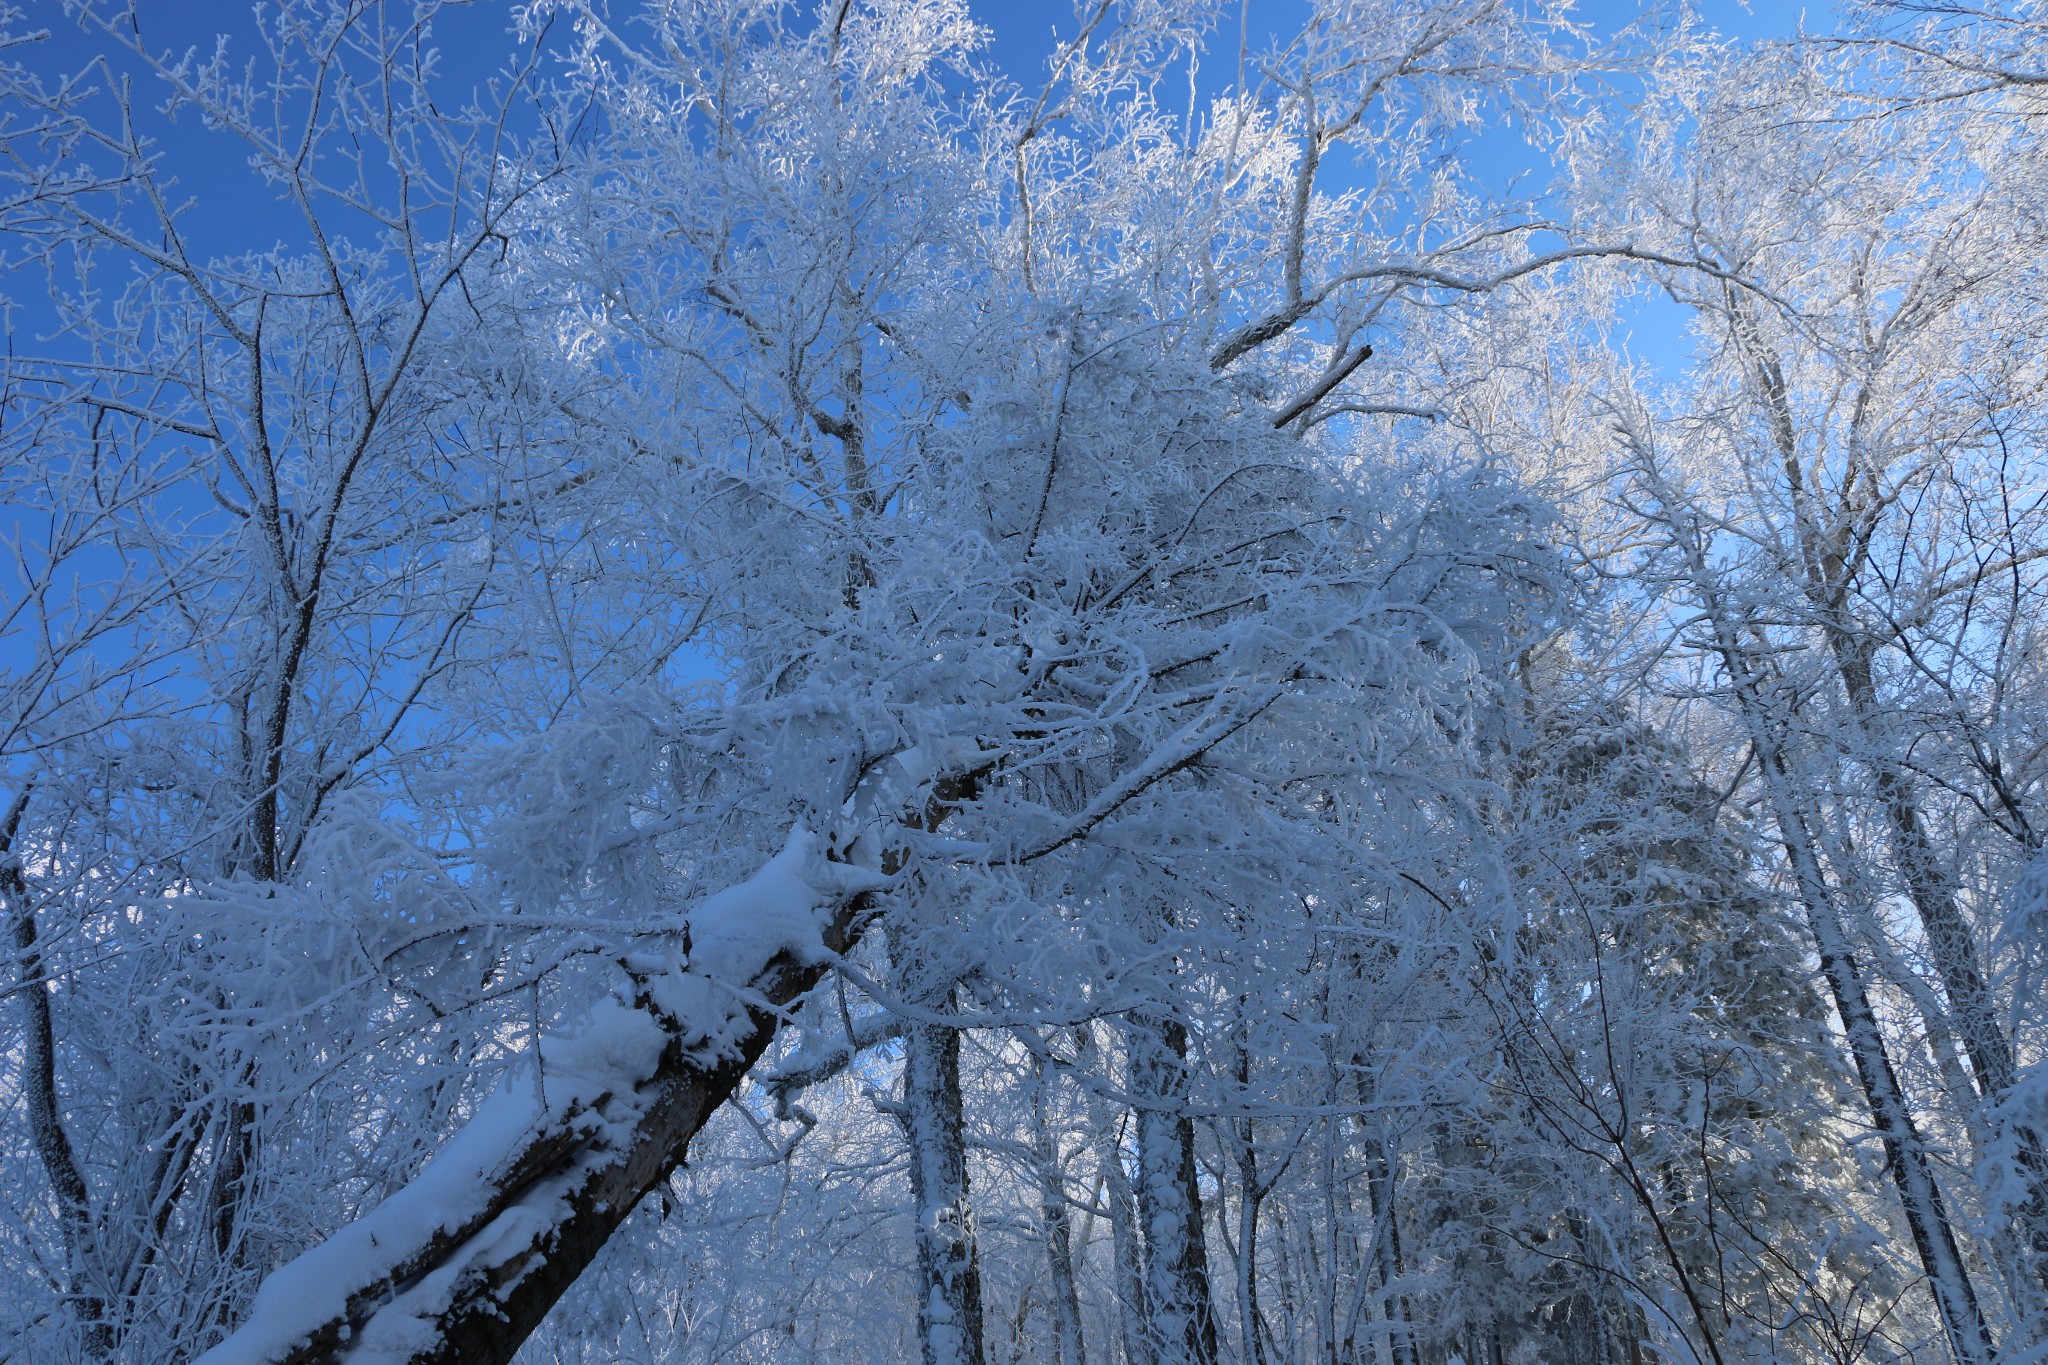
233,211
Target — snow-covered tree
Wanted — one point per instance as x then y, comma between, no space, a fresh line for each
1100,697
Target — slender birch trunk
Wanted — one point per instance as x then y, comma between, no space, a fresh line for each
1134,1309
1386,1244
1912,1175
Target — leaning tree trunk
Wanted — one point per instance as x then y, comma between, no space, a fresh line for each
1765,724
1905,1157
459,1266
1831,560
1951,945
1906,1161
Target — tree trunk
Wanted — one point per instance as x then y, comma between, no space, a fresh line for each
1930,883
234,1160
468,1284
1251,1196
1057,1223
1919,1196
1905,1158
1134,1309
1831,561
1169,1197
1386,1242
949,1326
45,1120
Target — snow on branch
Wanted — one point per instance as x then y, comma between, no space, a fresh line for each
464,1261
817,1062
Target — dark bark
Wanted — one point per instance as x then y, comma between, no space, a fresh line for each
39,1082
1251,1196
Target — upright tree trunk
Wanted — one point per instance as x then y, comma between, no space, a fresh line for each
1169,1196
1134,1309
1386,1244
1057,1224
1134,1306
233,1154
949,1325
1380,1172
1251,1195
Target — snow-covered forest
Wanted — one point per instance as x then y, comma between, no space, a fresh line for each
1300,682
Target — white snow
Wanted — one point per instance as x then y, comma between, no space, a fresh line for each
611,1055
614,1052
403,1328
735,933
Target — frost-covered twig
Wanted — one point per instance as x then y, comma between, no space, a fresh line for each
818,1061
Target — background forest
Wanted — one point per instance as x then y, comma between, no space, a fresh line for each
1354,682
